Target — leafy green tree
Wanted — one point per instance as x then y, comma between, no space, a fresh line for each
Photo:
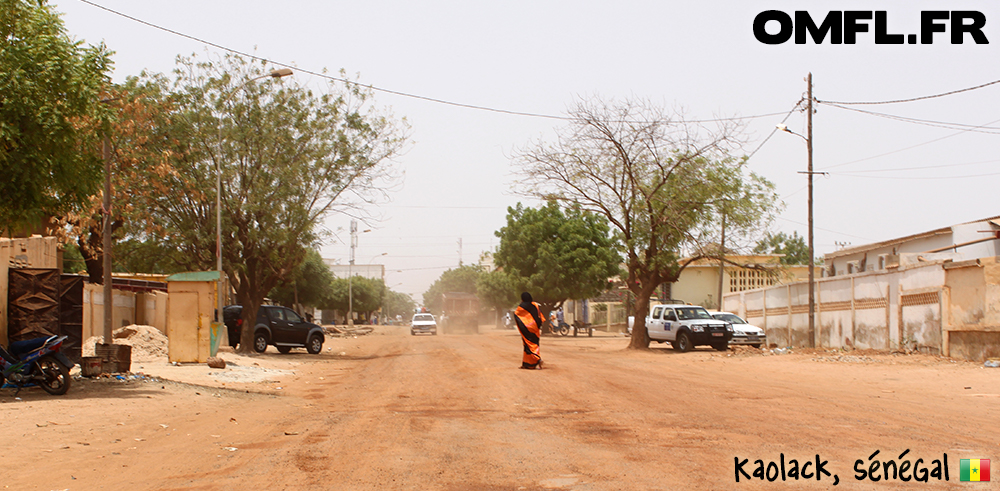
794,247
367,294
288,158
557,255
133,255
309,284
662,184
72,259
396,303
496,289
461,279
50,89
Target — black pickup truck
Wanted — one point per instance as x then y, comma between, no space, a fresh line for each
278,326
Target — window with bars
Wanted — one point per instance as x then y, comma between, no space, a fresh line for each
749,279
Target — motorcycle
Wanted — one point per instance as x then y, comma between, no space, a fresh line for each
36,361
558,327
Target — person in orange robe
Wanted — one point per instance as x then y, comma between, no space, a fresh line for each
529,323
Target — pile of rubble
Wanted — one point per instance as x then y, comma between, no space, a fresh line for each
346,332
741,350
147,342
847,359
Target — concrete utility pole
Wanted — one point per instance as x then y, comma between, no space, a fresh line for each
350,274
812,250
106,243
722,258
809,172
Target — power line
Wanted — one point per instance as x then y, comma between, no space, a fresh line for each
925,122
449,207
424,269
905,148
943,94
936,178
826,229
775,129
381,89
923,167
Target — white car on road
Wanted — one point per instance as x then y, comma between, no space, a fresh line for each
423,323
743,332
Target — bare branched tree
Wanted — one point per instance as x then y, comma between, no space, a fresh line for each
661,182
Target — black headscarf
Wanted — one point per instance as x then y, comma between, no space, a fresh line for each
526,304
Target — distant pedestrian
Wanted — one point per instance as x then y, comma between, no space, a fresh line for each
506,320
529,321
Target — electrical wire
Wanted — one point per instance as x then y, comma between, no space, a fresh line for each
906,148
916,177
775,129
826,229
382,89
922,167
925,122
913,99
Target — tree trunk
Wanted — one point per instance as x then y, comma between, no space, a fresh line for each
640,337
93,258
544,310
250,299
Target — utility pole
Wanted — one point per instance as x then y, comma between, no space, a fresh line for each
812,251
350,274
460,252
722,258
109,304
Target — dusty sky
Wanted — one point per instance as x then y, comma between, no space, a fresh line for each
888,178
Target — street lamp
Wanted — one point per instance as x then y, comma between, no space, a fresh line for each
282,72
809,172
350,271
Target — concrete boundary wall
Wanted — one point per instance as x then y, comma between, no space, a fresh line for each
129,308
939,307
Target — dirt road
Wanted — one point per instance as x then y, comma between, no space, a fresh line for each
391,411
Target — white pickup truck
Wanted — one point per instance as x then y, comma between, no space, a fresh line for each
687,326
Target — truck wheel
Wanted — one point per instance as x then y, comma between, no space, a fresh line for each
260,342
315,344
683,342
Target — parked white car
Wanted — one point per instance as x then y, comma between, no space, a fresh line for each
687,326
743,331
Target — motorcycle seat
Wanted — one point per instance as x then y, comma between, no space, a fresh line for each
20,348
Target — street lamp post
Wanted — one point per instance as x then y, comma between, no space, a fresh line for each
809,172
283,72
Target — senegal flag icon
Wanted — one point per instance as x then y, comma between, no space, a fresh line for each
975,470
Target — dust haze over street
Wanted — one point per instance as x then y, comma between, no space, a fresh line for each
886,177
477,82
453,412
